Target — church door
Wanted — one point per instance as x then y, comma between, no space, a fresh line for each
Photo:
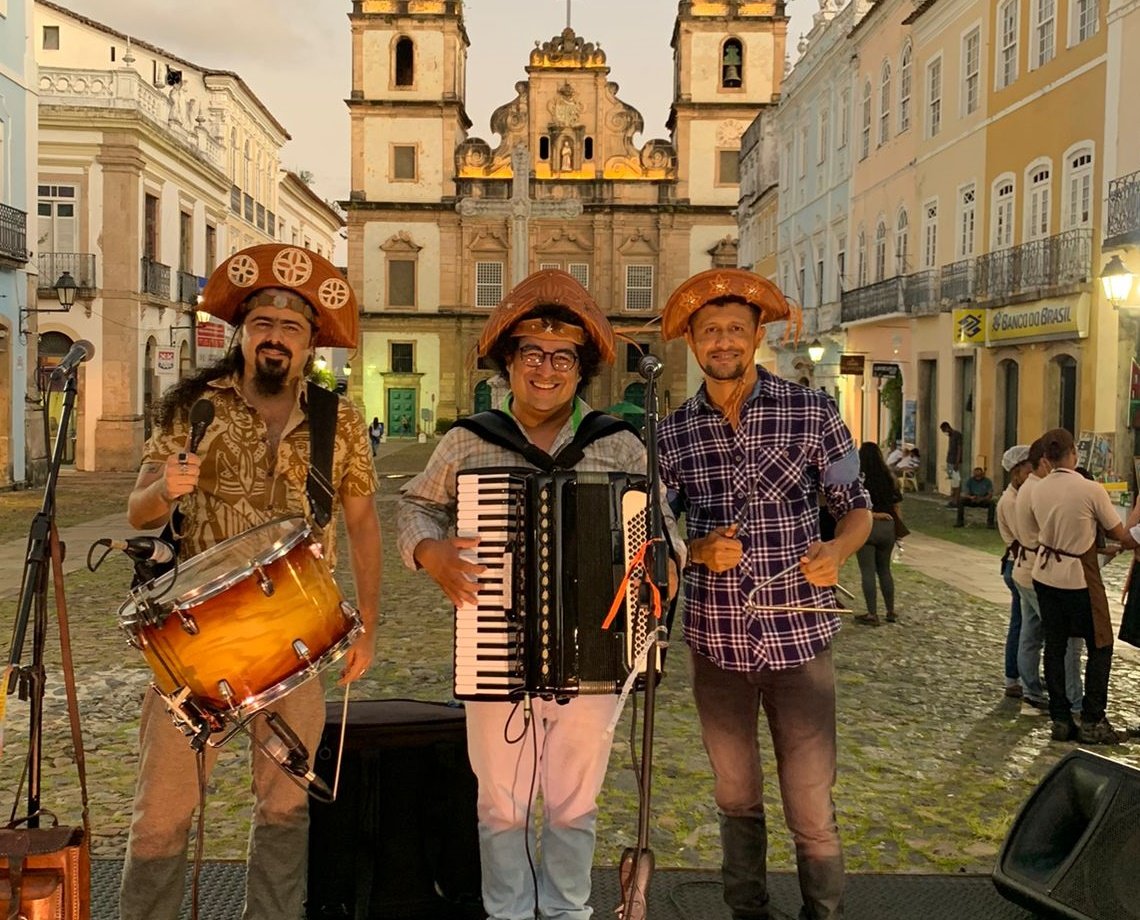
401,413
482,396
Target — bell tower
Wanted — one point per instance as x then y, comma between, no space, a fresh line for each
728,63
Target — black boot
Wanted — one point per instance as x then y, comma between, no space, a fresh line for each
821,885
744,845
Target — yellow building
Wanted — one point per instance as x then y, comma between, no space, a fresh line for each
441,223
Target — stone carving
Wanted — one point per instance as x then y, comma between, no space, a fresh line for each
567,48
730,132
565,109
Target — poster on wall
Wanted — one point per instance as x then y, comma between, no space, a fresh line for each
1095,453
165,362
910,420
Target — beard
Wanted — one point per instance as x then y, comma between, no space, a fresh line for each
271,371
725,371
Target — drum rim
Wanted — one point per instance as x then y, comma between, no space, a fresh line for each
202,593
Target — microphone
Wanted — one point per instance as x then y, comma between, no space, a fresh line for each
81,351
286,748
201,415
650,366
145,549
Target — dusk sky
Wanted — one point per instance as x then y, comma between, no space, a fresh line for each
294,54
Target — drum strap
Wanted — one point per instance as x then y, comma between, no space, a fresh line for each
323,407
500,429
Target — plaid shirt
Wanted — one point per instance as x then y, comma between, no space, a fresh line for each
768,474
427,506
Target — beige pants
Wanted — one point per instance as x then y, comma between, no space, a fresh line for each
166,796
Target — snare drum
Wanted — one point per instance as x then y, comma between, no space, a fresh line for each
243,623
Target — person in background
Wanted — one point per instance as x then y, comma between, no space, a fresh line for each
978,492
895,456
953,462
875,555
1034,699
1015,462
1066,576
910,461
745,458
375,433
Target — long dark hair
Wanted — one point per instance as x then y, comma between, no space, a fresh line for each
589,357
878,480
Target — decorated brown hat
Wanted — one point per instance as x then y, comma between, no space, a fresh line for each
275,265
718,283
549,287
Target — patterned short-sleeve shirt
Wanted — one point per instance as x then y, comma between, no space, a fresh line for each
768,474
242,486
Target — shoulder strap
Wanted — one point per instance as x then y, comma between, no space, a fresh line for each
323,406
594,426
500,429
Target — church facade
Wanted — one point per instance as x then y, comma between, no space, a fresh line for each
441,223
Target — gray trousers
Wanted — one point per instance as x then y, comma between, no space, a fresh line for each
166,796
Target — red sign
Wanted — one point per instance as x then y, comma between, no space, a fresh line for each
211,335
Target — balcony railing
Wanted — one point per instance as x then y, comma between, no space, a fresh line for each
1036,266
188,288
957,283
155,278
13,234
81,265
1123,206
920,293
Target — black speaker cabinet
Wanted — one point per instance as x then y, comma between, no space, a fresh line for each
401,841
1074,849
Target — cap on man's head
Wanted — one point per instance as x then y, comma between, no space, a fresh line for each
725,285
1019,453
230,292
549,287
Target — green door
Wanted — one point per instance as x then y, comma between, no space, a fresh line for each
482,396
401,413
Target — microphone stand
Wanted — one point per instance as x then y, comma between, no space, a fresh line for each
29,681
636,866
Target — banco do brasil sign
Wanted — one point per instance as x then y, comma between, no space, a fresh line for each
1038,322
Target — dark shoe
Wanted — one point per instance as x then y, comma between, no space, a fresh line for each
1064,731
1038,705
1013,690
1100,733
866,619
892,618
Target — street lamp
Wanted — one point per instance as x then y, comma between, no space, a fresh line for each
347,369
65,288
815,351
320,363
1116,280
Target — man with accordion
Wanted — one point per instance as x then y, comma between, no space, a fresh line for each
532,728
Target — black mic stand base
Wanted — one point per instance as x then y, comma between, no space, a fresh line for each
634,871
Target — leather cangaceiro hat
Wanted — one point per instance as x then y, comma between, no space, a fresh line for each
717,284
275,265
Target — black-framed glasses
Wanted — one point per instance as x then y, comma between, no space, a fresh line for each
561,360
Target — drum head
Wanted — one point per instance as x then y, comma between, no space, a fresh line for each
225,564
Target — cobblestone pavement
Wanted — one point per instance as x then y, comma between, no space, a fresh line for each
934,760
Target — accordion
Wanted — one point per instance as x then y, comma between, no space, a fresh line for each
556,547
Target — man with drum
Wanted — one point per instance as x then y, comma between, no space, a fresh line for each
746,458
250,468
548,338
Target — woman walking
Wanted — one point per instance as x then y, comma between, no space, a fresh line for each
875,555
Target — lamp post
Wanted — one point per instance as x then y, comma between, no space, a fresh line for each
815,351
65,288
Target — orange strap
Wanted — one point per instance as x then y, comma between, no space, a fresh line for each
619,598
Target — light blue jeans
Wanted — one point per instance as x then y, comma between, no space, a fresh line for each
573,750
1031,642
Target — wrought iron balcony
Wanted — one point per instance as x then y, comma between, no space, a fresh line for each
920,293
915,294
81,265
155,279
1123,222
1036,267
13,234
958,281
188,287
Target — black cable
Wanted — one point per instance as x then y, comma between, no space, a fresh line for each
199,834
528,721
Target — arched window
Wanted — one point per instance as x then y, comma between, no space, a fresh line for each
906,79
865,146
405,62
1078,188
885,103
1002,221
732,64
1040,181
544,148
881,250
902,242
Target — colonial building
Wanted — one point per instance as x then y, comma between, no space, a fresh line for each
440,224
20,422
151,170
